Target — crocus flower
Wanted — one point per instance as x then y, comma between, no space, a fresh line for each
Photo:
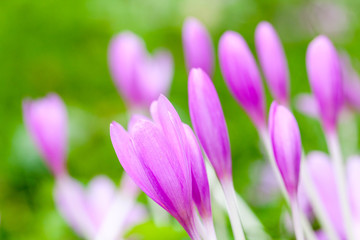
324,71
273,61
46,121
198,47
286,143
155,157
242,76
86,210
200,183
351,83
209,123
139,77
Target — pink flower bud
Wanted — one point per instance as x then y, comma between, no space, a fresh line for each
273,61
324,71
198,47
286,143
242,76
209,123
47,123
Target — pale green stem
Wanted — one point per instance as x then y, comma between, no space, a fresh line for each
209,228
296,219
335,152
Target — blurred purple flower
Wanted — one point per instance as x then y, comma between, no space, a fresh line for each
273,61
306,104
156,157
139,77
242,76
47,123
85,210
198,46
351,83
209,123
325,76
286,143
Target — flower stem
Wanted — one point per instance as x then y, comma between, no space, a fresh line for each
209,228
231,203
335,152
296,219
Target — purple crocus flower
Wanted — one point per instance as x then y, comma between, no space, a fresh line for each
155,157
47,123
198,47
209,123
139,77
85,210
273,61
242,76
286,143
200,183
325,75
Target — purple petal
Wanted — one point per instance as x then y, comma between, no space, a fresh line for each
46,120
126,53
200,183
155,76
164,171
286,143
325,76
198,47
273,61
70,199
209,123
351,83
322,175
353,171
242,76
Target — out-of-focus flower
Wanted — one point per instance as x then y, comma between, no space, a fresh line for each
46,121
85,210
209,123
351,83
306,104
198,47
242,76
325,75
273,61
139,77
286,143
156,158
321,171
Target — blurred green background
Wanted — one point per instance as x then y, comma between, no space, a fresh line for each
61,46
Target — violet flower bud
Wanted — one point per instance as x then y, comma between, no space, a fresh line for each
154,156
209,123
286,143
273,61
47,123
325,76
200,183
198,47
242,76
139,77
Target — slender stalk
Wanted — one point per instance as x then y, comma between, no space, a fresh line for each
335,152
231,203
317,205
263,133
209,228
199,225
296,219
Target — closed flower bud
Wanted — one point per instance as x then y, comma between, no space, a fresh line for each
273,61
198,47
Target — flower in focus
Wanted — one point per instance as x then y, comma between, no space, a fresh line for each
242,76
273,61
325,76
86,210
209,123
139,77
286,143
155,156
198,47
47,123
